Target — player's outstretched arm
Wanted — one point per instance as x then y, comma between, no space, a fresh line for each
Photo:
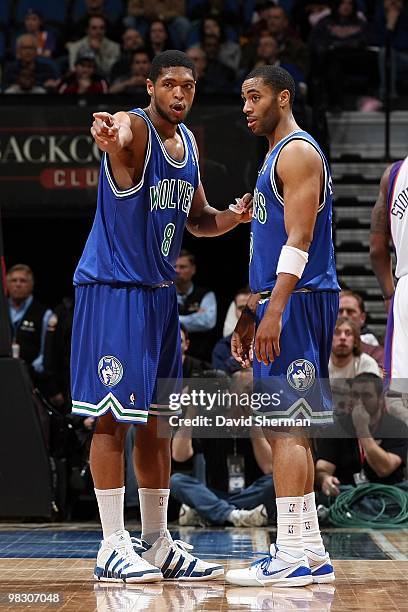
300,172
112,133
380,237
204,220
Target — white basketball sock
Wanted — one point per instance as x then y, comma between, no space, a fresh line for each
153,511
110,504
312,538
289,523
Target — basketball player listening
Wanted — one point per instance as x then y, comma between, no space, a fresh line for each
389,223
291,313
126,332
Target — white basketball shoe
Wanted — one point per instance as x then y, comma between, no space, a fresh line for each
175,562
279,568
118,562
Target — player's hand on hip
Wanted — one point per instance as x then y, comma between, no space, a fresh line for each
267,346
105,132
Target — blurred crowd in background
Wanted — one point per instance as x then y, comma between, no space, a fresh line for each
334,49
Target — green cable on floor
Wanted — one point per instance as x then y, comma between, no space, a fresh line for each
390,507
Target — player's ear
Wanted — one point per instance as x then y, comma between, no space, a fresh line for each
284,98
149,87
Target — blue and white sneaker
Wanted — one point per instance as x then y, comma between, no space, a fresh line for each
320,566
118,562
278,569
174,561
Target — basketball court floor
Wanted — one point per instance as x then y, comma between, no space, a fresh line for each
49,567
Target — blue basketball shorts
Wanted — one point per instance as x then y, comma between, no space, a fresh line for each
124,339
296,385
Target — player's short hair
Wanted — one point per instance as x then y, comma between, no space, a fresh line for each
277,78
190,256
170,59
21,268
356,296
356,333
370,377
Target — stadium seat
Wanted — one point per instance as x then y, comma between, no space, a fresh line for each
4,12
54,12
112,7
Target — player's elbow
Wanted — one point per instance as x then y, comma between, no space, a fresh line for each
301,239
194,228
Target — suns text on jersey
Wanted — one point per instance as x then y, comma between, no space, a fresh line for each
171,193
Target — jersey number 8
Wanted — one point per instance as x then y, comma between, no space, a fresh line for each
168,237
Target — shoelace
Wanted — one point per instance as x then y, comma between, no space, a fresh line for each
184,546
265,561
130,554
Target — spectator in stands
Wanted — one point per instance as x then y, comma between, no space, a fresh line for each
158,38
46,41
197,307
45,70
29,321
94,8
192,367
238,487
83,79
171,12
231,318
347,359
392,24
291,48
132,41
267,53
259,19
364,445
338,46
352,306
106,51
212,77
229,52
211,45
25,83
307,13
221,355
134,83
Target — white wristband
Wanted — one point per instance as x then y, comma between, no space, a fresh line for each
292,261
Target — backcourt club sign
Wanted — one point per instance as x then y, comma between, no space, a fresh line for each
49,161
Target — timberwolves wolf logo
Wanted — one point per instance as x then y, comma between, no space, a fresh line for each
110,370
301,374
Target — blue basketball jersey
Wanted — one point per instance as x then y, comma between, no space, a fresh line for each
137,232
268,233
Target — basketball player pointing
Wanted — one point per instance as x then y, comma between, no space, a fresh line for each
292,309
389,222
126,331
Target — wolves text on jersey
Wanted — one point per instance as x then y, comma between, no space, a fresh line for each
259,210
171,193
